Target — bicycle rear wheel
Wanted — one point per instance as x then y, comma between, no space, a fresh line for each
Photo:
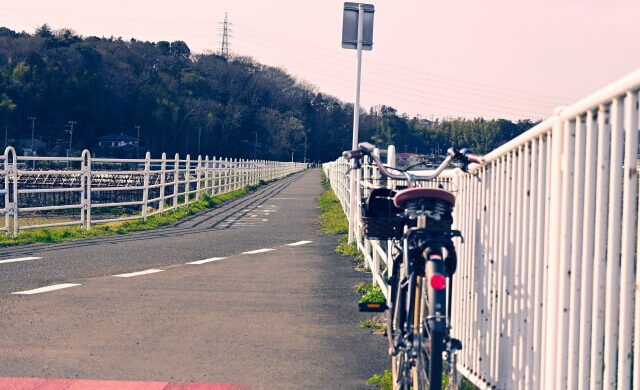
429,364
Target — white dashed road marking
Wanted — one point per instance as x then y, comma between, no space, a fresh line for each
47,289
206,260
19,259
258,251
298,243
264,220
146,272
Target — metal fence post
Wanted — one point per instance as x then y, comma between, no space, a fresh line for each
6,190
213,176
16,198
86,189
163,167
198,176
11,188
145,192
225,177
206,174
187,178
176,175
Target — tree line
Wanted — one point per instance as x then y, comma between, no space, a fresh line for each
197,103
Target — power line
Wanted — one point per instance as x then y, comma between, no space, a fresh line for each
420,93
395,73
448,88
280,38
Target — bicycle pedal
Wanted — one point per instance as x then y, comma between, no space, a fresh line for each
455,344
372,307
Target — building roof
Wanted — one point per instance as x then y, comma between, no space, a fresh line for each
117,137
129,147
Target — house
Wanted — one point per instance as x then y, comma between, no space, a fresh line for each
113,141
407,159
23,146
120,145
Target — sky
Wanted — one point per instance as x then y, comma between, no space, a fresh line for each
511,59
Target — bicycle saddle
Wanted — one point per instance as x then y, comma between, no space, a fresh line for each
404,196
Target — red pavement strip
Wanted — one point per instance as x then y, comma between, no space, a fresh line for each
82,384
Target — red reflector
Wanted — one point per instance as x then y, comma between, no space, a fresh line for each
438,281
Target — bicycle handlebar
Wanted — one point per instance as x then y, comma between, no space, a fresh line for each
365,148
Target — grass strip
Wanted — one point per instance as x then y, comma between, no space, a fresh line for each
65,233
332,218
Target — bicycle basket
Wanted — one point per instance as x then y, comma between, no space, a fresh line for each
381,219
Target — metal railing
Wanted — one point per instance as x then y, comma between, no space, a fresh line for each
548,279
81,191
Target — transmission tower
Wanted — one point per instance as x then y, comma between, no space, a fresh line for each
226,30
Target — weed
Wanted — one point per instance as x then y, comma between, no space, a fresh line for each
376,325
372,294
325,180
380,382
352,251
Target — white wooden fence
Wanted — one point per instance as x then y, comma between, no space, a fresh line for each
154,185
547,292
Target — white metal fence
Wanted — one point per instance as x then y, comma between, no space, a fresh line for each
547,292
84,190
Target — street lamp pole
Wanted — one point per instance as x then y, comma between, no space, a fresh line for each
70,131
138,141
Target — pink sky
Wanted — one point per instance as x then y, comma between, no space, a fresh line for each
513,59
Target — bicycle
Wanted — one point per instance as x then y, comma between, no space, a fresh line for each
418,221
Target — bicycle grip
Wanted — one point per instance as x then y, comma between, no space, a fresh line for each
349,154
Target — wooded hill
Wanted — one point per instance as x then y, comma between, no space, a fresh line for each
187,103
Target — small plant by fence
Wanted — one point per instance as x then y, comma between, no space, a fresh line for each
40,192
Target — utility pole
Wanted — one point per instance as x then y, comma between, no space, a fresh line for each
33,127
199,134
305,148
138,141
224,49
70,131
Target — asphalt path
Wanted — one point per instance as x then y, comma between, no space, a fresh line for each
250,309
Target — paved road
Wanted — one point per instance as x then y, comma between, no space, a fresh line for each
277,319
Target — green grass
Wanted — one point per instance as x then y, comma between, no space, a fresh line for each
380,382
325,180
371,293
57,234
385,382
332,218
351,250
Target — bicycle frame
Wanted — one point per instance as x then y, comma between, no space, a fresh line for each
418,322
